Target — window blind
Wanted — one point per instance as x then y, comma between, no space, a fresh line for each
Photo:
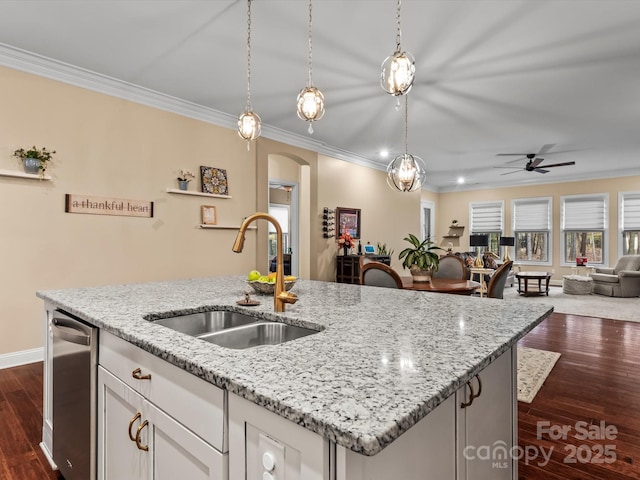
631,211
532,215
584,213
486,217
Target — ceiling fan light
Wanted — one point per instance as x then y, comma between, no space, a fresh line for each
310,104
249,125
406,173
398,73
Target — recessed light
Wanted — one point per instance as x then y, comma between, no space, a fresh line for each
384,153
460,180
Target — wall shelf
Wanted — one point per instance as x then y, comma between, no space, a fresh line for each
199,194
16,174
226,227
452,236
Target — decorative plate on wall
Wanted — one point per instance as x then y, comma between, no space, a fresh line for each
214,180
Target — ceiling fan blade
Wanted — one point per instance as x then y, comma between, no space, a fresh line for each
559,164
540,170
546,148
511,154
512,168
509,173
536,162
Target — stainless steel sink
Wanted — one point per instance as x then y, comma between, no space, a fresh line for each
198,324
234,330
253,335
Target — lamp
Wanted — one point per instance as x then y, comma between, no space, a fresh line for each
478,241
310,99
507,242
398,70
406,172
249,121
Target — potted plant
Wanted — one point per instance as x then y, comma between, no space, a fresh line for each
35,159
185,177
421,258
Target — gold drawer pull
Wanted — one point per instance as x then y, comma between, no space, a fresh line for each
131,422
137,374
144,448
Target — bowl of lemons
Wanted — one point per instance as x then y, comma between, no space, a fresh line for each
266,284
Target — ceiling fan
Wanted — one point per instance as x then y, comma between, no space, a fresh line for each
533,163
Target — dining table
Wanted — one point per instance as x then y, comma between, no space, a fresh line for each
442,285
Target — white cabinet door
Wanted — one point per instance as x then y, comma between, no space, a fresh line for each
179,453
486,427
120,413
138,441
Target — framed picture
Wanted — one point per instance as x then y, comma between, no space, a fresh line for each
214,180
209,215
348,221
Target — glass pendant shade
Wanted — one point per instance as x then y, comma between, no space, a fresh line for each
406,173
398,73
249,125
310,104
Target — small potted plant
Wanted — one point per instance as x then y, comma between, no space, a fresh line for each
35,159
185,177
421,258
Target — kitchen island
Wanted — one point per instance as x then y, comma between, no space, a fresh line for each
382,361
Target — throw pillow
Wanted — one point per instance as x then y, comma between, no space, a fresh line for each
489,262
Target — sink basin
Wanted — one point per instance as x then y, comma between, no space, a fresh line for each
234,330
198,324
256,334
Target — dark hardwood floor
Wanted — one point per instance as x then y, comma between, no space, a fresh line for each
597,379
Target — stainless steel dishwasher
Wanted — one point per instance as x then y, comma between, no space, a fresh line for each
75,356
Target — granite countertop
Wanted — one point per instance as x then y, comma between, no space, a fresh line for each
384,358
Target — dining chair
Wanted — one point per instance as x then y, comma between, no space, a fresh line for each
495,289
378,274
451,266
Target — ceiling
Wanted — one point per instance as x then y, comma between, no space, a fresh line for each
504,76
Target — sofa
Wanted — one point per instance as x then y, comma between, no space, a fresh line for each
623,280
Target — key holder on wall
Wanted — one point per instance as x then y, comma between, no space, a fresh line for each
328,222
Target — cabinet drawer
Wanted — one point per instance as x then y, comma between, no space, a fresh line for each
195,403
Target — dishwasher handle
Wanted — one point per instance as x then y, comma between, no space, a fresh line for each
71,330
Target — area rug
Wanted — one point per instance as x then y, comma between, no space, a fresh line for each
534,367
585,305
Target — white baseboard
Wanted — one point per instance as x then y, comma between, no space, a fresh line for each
21,358
48,456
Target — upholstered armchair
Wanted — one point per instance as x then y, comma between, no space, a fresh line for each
378,274
623,280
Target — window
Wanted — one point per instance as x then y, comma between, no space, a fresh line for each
487,219
630,222
584,221
532,229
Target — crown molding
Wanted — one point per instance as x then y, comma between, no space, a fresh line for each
42,66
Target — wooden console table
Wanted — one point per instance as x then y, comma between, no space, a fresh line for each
348,267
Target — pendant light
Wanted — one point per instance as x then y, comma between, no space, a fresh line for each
249,122
310,99
406,173
398,70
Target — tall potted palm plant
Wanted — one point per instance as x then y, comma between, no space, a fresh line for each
421,258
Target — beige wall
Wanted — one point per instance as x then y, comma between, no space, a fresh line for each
456,205
107,147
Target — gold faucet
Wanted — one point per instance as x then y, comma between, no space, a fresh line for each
280,295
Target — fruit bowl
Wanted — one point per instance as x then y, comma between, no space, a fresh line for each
267,288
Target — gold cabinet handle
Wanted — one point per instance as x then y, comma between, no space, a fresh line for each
131,422
144,448
137,374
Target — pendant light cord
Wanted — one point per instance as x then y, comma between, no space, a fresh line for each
399,31
406,124
248,55
309,59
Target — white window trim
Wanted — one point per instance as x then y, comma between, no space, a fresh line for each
549,262
620,226
605,250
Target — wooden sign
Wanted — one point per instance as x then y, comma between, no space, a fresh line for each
107,206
